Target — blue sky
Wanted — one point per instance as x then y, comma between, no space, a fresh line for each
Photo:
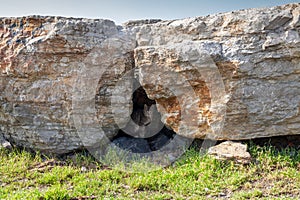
123,10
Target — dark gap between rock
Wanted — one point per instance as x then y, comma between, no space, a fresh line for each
143,121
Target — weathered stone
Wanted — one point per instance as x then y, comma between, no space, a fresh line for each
182,63
51,71
231,151
182,90
67,83
4,143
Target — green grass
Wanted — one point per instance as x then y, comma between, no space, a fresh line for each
273,174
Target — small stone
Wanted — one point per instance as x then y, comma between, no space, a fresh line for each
4,143
222,194
83,169
231,151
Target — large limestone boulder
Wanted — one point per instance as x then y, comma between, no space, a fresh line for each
48,65
229,76
67,83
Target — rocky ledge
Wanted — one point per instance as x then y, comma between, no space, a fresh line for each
68,83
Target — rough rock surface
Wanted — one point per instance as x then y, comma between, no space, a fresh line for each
66,83
257,54
231,151
45,62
